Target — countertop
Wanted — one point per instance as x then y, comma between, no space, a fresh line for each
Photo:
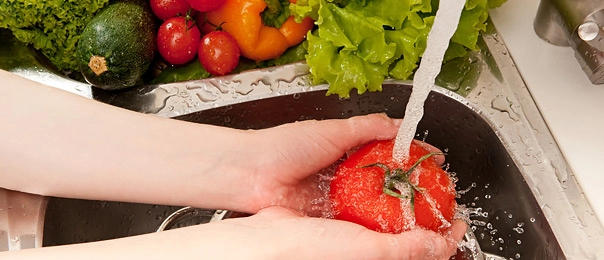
571,106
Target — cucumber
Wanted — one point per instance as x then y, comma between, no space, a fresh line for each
117,46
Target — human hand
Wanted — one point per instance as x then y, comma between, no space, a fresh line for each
286,159
280,233
273,233
282,166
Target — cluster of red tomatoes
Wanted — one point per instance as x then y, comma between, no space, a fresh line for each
180,40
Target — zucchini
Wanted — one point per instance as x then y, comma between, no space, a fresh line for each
117,46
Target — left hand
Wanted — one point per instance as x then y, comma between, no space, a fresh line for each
284,160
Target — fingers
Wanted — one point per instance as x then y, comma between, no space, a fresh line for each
334,239
418,244
423,244
319,143
359,130
354,131
455,234
373,126
440,158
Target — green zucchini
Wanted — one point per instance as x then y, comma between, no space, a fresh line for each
117,46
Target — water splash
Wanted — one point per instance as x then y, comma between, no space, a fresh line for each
445,24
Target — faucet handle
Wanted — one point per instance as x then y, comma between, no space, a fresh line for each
591,33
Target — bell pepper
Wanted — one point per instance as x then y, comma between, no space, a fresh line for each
257,41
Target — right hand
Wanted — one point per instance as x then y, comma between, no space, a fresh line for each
280,233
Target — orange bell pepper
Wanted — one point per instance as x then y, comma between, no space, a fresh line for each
241,18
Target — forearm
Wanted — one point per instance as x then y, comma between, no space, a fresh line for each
207,241
56,143
274,233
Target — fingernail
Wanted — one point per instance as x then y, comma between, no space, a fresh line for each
397,121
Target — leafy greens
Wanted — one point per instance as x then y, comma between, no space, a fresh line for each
359,43
51,26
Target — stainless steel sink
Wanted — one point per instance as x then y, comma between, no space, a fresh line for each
475,153
524,200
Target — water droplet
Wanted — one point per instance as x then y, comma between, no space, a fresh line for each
503,104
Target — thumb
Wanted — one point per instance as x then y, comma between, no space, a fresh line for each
424,244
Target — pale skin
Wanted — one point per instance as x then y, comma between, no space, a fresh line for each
79,148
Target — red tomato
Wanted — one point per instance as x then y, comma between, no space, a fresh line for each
218,53
423,196
205,5
177,40
166,9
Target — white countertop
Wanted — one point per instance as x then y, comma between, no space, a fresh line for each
573,108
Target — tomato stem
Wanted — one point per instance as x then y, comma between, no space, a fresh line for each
189,18
393,178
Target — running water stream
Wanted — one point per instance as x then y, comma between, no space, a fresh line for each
445,24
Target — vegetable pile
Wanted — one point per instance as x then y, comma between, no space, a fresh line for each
53,27
349,44
358,43
222,32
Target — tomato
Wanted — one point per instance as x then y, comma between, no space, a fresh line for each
166,9
218,53
205,5
177,40
371,189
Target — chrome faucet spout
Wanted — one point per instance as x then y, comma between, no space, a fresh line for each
549,26
578,24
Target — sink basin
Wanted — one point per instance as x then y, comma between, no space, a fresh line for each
508,219
523,200
70,221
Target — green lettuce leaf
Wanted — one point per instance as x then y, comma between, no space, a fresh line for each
359,43
276,12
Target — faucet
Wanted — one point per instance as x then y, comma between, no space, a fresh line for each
578,24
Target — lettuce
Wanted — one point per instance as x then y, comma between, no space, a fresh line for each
359,43
51,26
276,13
